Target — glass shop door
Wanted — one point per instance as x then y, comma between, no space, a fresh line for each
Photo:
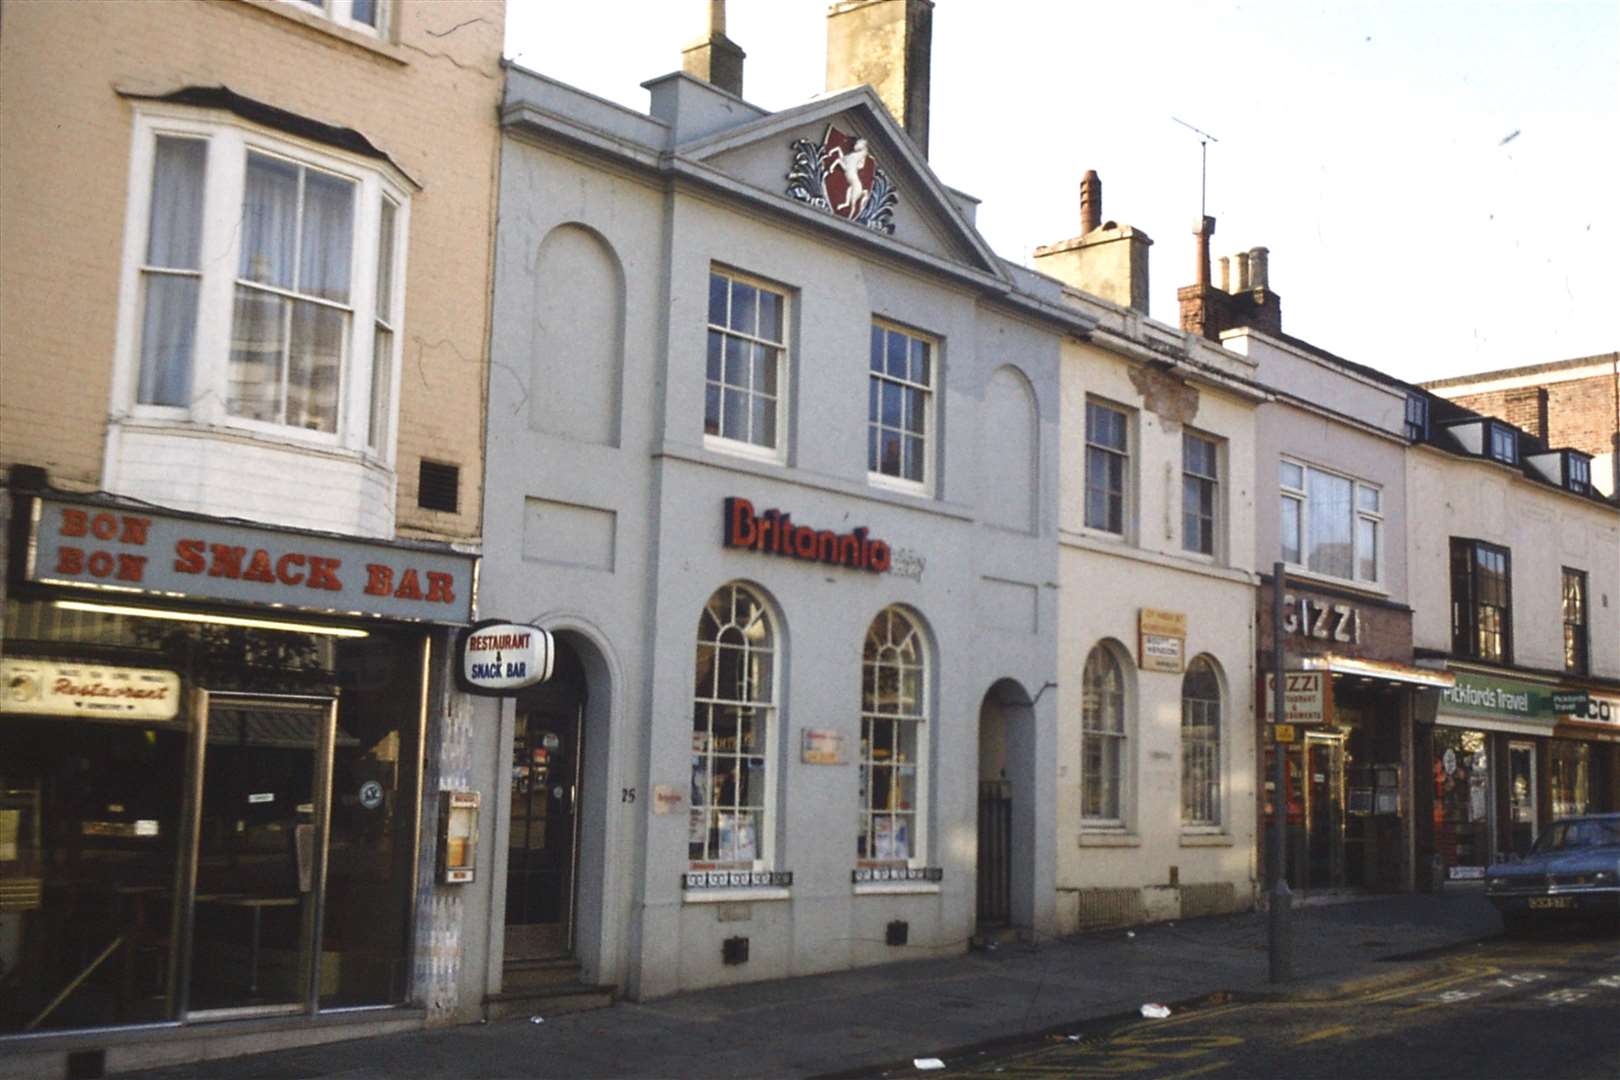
1522,823
258,873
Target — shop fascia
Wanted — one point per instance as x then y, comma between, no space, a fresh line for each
1500,703
114,552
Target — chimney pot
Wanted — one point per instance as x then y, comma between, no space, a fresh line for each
1226,274
1258,268
1203,230
716,59
886,44
1090,202
1241,263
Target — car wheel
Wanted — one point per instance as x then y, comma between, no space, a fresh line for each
1517,924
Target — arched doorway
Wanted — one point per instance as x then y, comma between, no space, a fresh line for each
1006,829
543,837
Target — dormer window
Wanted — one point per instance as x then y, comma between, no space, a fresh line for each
1579,473
1504,444
1417,417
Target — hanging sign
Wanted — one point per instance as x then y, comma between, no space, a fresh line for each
497,659
48,688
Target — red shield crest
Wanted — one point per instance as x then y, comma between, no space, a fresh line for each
849,168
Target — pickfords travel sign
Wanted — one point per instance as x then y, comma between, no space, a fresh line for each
124,550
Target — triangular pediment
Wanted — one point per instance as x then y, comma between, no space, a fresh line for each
844,157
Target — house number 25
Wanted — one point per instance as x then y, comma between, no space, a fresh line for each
627,794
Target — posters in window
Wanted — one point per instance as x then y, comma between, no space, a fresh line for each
737,838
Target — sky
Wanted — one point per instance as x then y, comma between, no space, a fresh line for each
1437,181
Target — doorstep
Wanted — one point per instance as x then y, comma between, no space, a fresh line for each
126,1049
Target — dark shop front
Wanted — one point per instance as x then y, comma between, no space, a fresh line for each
211,747
1348,794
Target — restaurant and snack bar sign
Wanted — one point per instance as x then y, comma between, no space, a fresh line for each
139,551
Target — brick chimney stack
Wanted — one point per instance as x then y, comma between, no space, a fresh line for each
1090,202
886,44
1244,297
716,59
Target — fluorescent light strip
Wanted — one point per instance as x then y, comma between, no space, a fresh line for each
217,620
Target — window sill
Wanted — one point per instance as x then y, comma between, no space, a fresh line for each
379,46
899,486
732,896
1299,573
1207,840
896,888
1110,840
765,455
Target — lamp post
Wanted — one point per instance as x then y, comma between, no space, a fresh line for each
1279,901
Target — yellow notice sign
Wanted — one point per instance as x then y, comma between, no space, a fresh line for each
1161,640
1284,732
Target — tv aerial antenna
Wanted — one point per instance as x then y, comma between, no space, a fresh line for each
1204,139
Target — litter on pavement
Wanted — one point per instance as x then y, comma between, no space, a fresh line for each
1154,1011
537,1019
928,1063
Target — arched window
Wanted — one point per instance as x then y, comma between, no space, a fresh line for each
894,745
1201,744
1102,739
733,717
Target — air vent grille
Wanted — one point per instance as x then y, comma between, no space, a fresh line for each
438,486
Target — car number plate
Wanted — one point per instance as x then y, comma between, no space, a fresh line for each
1551,902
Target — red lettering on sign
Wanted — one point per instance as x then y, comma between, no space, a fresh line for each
227,561
285,576
74,522
409,587
131,567
259,568
100,564
69,560
741,528
104,526
135,530
323,573
880,557
188,557
439,588
379,580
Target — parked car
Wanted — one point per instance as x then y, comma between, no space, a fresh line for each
1573,869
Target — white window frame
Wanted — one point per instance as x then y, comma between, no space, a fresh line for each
930,409
341,12
1218,807
1301,496
764,836
229,139
777,454
1127,478
1217,523
1125,738
919,719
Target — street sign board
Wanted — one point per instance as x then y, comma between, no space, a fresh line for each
1307,697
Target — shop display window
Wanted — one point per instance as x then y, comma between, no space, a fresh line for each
1462,783
1570,774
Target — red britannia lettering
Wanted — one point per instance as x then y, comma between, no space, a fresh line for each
409,587
188,557
74,522
804,542
323,573
70,560
741,526
439,588
379,580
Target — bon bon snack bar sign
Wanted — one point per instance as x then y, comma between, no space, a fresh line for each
127,550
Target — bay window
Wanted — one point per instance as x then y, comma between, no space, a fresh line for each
264,285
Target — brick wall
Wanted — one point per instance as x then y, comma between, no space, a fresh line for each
1580,413
429,98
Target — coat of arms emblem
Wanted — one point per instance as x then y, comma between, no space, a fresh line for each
841,176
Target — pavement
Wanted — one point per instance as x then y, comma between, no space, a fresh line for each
865,1019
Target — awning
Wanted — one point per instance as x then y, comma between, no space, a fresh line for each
1387,670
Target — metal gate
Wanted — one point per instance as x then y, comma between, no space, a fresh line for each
995,852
